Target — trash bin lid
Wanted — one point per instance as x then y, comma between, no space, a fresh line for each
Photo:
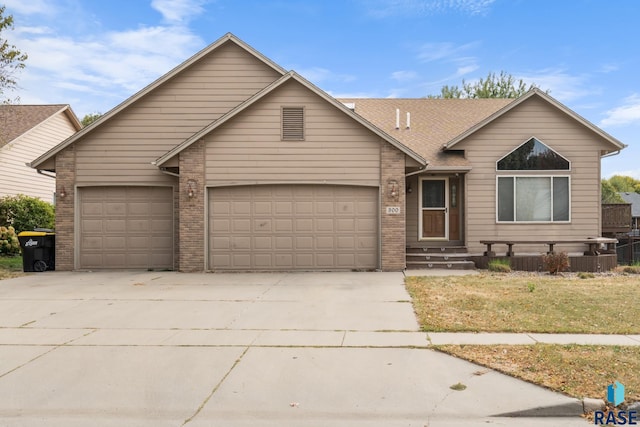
34,233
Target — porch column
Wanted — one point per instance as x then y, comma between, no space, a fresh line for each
393,205
191,191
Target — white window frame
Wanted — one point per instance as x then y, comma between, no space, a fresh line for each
533,171
515,211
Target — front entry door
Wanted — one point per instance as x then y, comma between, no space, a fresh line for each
434,209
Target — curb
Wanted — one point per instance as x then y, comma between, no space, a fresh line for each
592,405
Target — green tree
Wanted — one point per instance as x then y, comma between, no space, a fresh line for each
11,59
625,184
609,194
90,118
493,86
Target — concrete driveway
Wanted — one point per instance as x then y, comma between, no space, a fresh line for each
281,349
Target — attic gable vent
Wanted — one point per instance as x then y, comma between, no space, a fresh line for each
292,123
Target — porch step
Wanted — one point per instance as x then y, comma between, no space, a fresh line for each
438,250
450,265
446,257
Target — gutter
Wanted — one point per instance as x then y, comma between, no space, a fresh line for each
422,169
41,172
615,153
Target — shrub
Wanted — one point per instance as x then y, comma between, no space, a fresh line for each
25,213
556,262
584,275
499,265
631,269
9,244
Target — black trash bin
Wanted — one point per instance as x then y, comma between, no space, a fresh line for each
38,250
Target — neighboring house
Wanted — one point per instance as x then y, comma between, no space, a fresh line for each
634,199
26,132
229,162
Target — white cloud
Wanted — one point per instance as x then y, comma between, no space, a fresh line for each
386,8
31,7
404,76
560,84
99,69
178,11
319,74
625,114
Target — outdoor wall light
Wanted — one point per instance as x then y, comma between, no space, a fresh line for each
190,191
63,192
393,189
409,189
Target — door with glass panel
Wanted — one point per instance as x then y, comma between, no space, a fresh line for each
434,209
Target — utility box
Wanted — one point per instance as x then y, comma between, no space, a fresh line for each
38,250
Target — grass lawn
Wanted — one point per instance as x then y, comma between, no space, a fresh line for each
523,302
496,302
10,266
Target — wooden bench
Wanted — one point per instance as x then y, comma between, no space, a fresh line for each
593,243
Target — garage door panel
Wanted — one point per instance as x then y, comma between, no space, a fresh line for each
262,225
289,227
219,226
365,226
115,209
303,208
324,225
160,225
126,227
284,225
92,225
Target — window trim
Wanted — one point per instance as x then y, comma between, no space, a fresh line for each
515,221
304,127
534,171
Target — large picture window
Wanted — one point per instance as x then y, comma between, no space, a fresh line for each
533,199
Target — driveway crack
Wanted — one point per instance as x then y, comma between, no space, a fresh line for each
215,389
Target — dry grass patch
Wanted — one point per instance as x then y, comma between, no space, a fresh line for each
522,302
576,370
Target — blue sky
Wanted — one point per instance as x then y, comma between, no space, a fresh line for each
94,54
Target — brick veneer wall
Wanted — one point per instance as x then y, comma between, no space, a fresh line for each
191,219
65,222
393,227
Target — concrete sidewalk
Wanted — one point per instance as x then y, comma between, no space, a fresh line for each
282,349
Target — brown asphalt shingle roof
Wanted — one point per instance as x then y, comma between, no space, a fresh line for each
434,122
17,119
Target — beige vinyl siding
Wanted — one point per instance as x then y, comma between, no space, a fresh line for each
561,133
249,148
15,176
122,149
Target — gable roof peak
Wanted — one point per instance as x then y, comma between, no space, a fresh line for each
227,38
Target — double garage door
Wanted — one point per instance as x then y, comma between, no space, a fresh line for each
126,227
293,227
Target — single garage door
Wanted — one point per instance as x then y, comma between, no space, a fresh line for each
293,227
126,227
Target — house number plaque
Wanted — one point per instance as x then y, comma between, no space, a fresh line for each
393,210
